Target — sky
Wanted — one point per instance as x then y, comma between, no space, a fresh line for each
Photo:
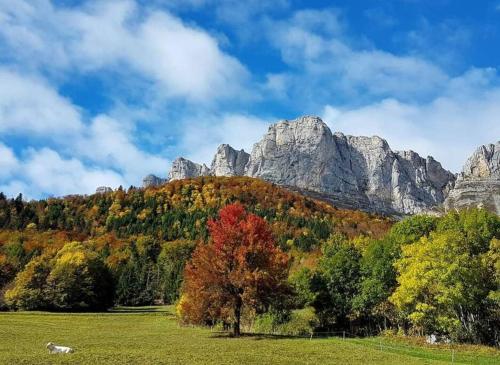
102,93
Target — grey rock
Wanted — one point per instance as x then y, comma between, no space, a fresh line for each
183,169
347,171
153,180
353,172
229,162
103,190
478,185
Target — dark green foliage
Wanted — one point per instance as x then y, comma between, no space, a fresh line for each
301,285
171,262
138,280
336,282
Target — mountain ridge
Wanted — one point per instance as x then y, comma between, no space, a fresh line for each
354,172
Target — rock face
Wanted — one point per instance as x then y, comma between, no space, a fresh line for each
183,169
348,171
352,172
229,162
153,180
479,182
103,190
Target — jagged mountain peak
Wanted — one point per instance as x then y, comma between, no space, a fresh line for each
349,171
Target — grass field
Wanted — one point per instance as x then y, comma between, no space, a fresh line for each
152,336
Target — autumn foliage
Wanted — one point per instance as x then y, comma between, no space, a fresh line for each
240,268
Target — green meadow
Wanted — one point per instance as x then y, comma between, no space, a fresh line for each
152,335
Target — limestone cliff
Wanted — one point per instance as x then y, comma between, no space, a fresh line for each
478,184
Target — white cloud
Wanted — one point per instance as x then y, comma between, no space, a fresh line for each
106,142
449,128
203,135
84,154
325,63
8,162
31,105
46,172
179,60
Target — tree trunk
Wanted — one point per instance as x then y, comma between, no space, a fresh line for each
237,317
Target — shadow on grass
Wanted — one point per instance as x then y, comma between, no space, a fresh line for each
150,309
257,336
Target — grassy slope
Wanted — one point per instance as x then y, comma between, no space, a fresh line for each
137,337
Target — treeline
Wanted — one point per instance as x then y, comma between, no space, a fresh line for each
144,237
181,209
428,275
347,270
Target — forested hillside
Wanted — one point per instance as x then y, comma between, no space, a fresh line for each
145,236
345,270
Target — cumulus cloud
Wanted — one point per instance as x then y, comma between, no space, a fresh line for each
325,63
449,128
203,135
46,172
8,161
90,153
181,60
30,105
106,142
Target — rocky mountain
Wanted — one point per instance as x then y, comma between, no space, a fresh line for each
153,180
183,169
348,171
229,162
479,182
352,172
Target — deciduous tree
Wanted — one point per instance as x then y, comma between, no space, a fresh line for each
239,268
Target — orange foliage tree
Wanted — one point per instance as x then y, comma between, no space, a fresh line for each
240,268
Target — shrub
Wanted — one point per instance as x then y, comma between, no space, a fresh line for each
299,322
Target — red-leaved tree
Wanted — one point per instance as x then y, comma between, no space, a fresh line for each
239,268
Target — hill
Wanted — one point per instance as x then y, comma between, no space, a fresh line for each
180,209
131,230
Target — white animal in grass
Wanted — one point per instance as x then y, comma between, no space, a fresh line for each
53,349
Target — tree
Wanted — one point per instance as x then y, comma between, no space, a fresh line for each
30,285
137,282
172,261
444,287
240,268
79,280
378,279
300,282
336,281
74,279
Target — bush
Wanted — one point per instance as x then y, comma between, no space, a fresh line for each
300,322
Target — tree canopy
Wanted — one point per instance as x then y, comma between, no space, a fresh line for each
240,268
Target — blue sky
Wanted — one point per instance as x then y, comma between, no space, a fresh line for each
104,92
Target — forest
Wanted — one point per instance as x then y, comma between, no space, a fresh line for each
338,270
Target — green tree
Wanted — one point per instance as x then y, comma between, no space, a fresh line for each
336,282
171,262
300,282
444,287
74,279
377,283
29,290
79,280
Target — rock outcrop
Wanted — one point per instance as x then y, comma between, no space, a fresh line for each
103,190
478,184
352,172
229,162
347,171
153,180
183,169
